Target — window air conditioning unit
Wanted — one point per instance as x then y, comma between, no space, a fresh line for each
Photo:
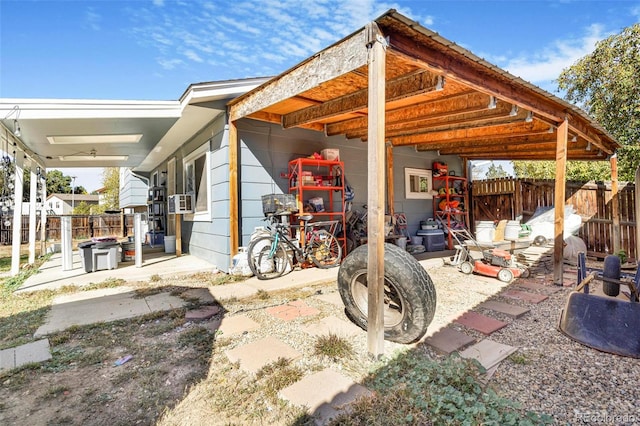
180,204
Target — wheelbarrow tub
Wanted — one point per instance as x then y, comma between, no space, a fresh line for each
603,323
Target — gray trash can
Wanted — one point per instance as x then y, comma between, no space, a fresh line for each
85,248
105,255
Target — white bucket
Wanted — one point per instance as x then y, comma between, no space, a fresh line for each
170,244
402,243
485,231
240,263
512,230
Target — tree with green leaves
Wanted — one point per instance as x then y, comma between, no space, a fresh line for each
605,84
496,171
111,188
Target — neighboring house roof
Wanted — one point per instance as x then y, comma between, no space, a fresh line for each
76,197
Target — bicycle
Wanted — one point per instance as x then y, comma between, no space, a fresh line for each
268,255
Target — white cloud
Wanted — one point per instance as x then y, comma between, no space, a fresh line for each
92,19
547,64
193,56
169,64
158,3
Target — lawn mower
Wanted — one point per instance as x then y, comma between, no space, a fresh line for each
495,263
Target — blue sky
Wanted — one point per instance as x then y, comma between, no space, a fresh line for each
153,50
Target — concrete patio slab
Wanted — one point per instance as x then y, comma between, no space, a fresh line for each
102,305
230,291
296,279
52,277
482,323
333,325
508,309
449,340
202,295
488,353
253,356
325,394
28,353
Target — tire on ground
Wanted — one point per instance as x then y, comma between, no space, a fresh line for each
611,269
410,296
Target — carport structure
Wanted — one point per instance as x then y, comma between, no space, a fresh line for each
395,83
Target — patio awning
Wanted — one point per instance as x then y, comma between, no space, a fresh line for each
439,97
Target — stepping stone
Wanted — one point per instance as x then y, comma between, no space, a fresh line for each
231,326
326,394
333,325
482,323
203,295
488,353
505,308
292,310
525,296
333,298
449,340
253,356
203,313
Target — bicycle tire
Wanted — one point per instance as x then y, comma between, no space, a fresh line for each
325,251
264,264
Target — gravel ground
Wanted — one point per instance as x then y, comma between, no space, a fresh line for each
549,373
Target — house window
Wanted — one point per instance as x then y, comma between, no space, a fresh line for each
57,204
417,183
197,182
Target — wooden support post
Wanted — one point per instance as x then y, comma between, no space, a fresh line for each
233,190
178,234
376,46
559,196
390,190
615,205
33,193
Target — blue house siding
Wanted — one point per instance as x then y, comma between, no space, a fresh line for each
133,189
266,151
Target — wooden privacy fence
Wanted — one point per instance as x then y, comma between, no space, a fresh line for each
6,232
509,198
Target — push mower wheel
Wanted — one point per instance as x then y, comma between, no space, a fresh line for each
505,275
466,268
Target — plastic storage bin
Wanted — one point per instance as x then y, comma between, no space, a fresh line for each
433,239
105,255
85,248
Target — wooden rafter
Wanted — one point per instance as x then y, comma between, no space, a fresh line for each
421,49
458,135
403,87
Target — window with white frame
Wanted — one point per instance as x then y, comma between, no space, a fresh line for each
417,183
197,169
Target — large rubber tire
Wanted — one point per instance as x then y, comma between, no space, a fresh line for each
409,293
611,269
264,265
326,251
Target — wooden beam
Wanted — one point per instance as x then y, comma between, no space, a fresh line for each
457,104
615,205
345,56
487,132
559,197
424,51
234,231
390,190
404,87
376,47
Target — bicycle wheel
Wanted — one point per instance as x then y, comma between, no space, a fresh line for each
325,250
265,261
